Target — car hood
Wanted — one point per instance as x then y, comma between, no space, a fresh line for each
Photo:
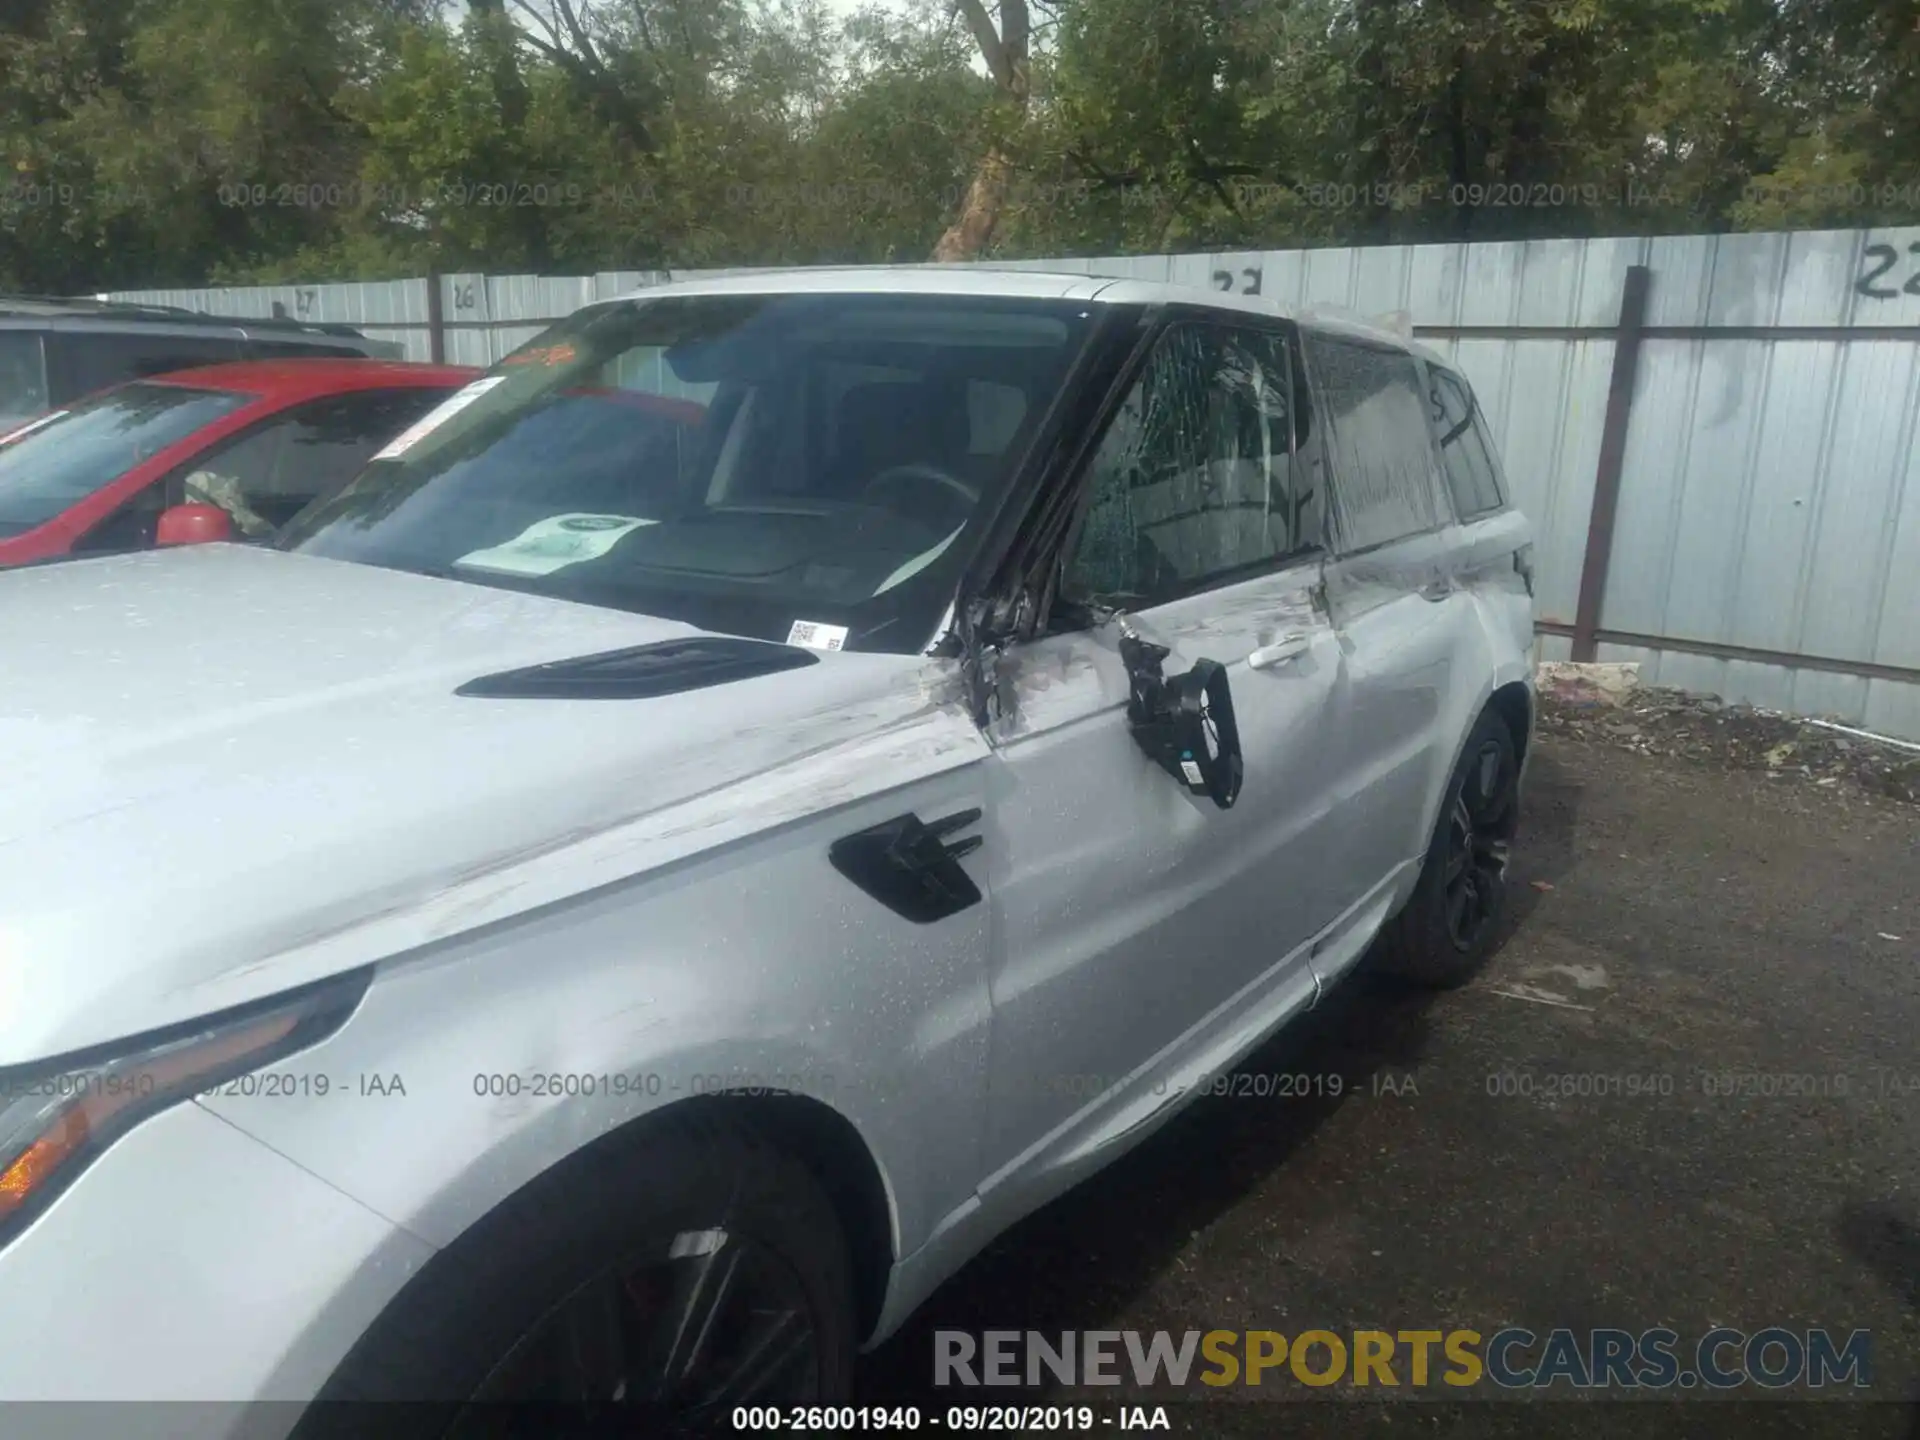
230,771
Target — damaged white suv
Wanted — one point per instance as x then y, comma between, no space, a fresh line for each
778,780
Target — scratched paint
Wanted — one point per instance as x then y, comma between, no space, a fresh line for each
302,693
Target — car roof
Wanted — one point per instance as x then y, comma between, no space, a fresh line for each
938,279
281,379
95,314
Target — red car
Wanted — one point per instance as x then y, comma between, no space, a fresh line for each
259,440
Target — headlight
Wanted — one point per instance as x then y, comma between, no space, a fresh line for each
55,1118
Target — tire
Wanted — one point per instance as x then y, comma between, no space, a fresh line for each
1426,943
625,1230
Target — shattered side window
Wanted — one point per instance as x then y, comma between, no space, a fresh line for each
1472,475
1195,480
1383,453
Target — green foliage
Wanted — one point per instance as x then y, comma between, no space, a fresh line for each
147,142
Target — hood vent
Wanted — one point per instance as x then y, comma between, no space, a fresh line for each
643,672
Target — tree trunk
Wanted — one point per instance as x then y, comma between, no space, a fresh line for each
1006,54
980,211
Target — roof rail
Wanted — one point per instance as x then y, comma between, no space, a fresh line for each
50,306
87,305
287,322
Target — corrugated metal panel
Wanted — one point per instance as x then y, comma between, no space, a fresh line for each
1545,401
1770,497
1863,482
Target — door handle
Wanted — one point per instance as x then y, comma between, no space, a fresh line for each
1287,647
1436,590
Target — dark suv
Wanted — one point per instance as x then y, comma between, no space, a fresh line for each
54,351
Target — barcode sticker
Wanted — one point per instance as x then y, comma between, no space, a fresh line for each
815,636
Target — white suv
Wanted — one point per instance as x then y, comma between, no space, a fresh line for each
778,780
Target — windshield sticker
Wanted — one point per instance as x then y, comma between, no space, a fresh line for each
438,416
543,355
815,636
11,435
555,543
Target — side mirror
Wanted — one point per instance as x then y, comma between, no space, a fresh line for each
192,525
1184,724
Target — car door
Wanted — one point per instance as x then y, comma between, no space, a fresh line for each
1141,931
1403,626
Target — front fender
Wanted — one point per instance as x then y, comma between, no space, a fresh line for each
474,1067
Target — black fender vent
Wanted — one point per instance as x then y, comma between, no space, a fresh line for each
909,867
643,672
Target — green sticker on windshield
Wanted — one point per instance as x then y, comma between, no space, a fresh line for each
554,543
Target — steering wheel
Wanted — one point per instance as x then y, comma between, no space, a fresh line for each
917,475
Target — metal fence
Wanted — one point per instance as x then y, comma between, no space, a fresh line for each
1713,435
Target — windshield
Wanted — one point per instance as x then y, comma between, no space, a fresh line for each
48,467
808,469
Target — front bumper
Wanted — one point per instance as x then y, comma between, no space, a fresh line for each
191,1265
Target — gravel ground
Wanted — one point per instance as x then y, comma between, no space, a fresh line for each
1675,725
1672,913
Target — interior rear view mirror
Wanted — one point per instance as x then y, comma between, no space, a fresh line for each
1184,723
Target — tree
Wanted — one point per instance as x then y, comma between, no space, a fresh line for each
1165,125
1008,58
160,126
1845,76
151,142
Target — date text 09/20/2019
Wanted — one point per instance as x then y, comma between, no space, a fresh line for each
955,1419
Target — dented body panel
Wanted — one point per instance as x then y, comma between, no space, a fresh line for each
577,915
296,775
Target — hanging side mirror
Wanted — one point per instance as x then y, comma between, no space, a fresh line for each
193,524
1185,723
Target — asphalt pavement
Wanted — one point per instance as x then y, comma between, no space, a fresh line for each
1685,1092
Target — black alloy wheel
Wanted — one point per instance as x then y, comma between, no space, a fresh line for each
1480,826
669,1341
1452,919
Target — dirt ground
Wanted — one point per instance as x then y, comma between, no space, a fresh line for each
1670,915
